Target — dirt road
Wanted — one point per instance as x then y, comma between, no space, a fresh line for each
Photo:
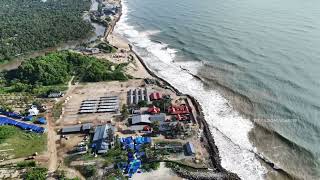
52,148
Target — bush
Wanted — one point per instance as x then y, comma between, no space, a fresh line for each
124,111
87,171
142,103
26,164
36,174
151,166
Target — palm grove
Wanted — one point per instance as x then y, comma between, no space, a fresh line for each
31,25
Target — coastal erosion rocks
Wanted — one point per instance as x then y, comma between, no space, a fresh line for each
220,172
204,175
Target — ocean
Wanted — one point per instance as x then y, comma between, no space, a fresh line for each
259,67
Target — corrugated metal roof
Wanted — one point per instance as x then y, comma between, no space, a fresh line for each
71,129
101,132
158,117
143,118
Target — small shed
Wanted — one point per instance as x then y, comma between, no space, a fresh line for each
33,111
189,149
71,129
55,95
85,128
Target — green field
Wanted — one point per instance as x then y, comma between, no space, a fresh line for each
15,143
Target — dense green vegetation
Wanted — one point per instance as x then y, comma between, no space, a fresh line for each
29,25
87,171
106,48
47,73
22,142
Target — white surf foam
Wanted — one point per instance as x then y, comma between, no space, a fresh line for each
228,128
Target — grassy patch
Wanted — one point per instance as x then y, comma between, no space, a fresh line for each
57,110
21,142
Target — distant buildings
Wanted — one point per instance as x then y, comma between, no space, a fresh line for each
103,139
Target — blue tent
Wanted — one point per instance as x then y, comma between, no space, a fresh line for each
130,156
127,143
142,140
22,125
28,118
133,167
13,115
42,120
137,147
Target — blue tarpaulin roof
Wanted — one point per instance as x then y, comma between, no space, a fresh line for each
134,162
42,120
133,167
11,114
28,118
24,126
127,142
142,140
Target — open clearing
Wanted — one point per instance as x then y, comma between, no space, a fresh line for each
20,143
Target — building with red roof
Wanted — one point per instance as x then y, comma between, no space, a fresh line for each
155,96
154,110
182,109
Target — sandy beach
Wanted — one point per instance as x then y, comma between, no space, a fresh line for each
163,173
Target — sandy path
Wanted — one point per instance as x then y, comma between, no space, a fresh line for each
163,173
52,148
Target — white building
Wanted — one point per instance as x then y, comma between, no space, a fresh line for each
33,111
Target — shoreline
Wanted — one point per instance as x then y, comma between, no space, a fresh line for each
208,138
209,141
